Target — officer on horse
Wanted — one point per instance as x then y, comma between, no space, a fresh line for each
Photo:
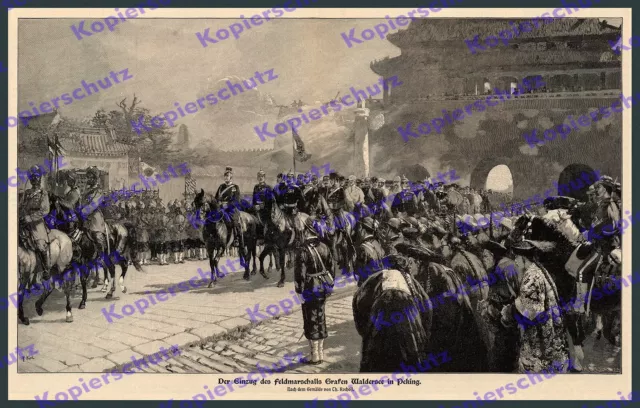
289,198
68,202
311,197
34,208
93,219
405,202
261,193
228,194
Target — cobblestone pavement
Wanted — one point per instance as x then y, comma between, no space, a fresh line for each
212,329
91,344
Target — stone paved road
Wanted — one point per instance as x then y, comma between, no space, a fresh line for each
90,344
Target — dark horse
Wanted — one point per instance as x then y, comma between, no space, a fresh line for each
280,237
217,237
454,326
392,296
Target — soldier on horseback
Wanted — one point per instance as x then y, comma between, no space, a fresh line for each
261,193
290,199
34,208
228,195
68,202
311,197
91,215
405,202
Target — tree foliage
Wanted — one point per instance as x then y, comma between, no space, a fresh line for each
153,146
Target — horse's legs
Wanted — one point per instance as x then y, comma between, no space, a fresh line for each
112,283
266,251
83,281
45,294
281,255
213,264
124,265
67,286
106,285
24,281
253,256
243,254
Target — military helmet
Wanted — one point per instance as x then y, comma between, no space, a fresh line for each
369,224
396,179
229,171
310,225
35,172
261,173
404,179
291,173
93,171
395,223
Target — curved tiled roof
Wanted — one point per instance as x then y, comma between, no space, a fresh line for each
448,29
92,142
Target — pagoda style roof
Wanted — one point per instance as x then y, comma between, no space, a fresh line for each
450,29
92,142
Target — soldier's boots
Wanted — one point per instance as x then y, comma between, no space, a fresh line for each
46,263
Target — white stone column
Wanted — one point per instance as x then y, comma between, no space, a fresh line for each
361,141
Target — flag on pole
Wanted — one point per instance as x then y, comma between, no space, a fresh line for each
298,146
189,184
147,170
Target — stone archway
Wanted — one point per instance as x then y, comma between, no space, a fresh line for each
481,172
574,181
500,178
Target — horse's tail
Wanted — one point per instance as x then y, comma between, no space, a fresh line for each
132,244
394,342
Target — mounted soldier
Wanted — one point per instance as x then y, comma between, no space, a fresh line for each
228,195
92,217
405,202
68,203
290,199
300,181
354,197
311,197
261,193
33,229
323,189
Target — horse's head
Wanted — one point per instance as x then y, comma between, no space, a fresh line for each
198,201
205,201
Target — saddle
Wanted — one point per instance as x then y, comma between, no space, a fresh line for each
581,258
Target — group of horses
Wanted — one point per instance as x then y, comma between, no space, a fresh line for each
440,259
71,248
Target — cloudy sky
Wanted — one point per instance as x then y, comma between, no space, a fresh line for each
170,65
